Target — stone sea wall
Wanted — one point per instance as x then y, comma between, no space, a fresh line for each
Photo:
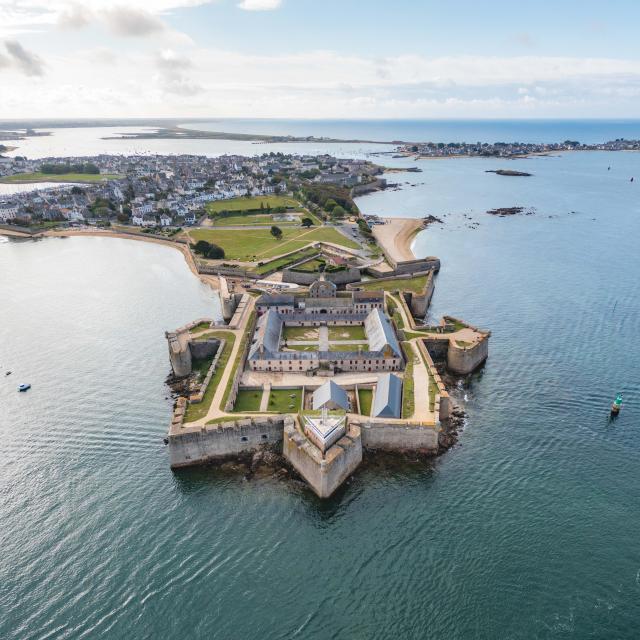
197,445
394,436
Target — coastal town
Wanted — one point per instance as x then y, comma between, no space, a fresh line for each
508,149
159,191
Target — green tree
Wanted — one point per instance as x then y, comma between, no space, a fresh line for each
202,247
307,222
338,212
276,232
330,204
215,252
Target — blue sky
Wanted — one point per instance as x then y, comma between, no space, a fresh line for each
319,58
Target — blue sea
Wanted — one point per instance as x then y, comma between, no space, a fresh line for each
588,131
527,529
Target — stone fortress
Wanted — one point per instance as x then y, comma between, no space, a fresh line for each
321,375
376,349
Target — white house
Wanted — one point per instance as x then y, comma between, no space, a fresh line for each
165,220
74,215
8,211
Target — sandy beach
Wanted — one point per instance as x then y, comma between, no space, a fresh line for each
396,237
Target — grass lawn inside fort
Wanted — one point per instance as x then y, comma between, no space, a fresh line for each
415,285
281,400
248,400
285,261
300,333
256,244
340,346
347,332
200,410
312,266
301,347
20,178
365,397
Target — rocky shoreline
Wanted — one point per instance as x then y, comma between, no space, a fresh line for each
268,462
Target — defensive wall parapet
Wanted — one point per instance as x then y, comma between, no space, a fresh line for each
463,359
197,445
304,278
399,436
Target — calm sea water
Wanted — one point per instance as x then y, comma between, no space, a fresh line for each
435,130
89,140
527,529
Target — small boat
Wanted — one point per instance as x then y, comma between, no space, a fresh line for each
8,373
631,180
24,387
617,405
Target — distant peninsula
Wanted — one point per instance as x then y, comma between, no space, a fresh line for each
178,133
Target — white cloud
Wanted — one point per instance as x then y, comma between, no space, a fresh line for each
131,22
20,58
192,81
23,16
259,5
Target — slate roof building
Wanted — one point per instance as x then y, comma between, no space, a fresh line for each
380,333
269,352
330,396
388,397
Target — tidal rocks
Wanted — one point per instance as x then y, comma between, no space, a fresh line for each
511,211
508,172
451,429
427,220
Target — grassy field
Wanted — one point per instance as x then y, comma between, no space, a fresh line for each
408,400
244,204
236,363
248,400
200,410
201,326
365,396
301,347
409,335
252,220
20,178
392,310
280,400
257,244
311,266
334,346
354,332
300,333
281,263
416,285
